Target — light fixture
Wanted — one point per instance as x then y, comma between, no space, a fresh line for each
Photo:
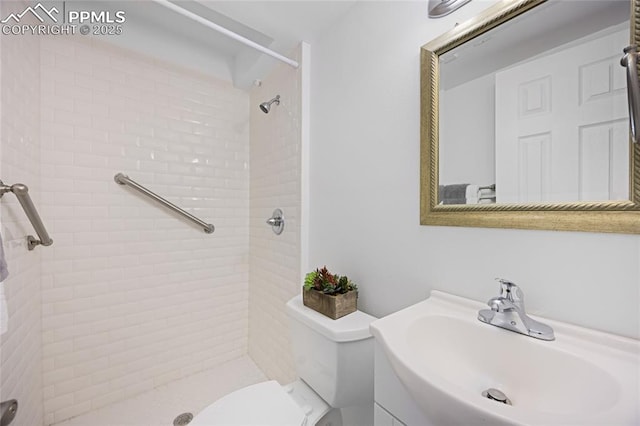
440,8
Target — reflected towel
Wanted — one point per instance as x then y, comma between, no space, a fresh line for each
453,194
472,194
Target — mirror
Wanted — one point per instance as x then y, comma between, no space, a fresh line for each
525,120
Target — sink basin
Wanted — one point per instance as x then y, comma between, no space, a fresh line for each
446,358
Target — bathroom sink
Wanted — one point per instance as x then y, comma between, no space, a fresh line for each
446,358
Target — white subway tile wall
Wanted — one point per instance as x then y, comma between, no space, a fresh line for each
133,296
21,346
274,266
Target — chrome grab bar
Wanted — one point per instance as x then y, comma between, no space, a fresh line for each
630,62
122,179
22,194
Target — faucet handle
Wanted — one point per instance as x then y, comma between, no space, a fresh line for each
510,291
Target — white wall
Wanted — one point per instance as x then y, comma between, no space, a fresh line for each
274,260
365,191
467,124
21,346
133,296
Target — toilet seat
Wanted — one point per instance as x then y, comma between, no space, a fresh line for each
262,404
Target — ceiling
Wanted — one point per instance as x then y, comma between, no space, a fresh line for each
286,23
538,32
278,25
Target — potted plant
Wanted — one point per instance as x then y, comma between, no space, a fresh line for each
332,295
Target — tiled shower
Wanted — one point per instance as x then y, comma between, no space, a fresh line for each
130,297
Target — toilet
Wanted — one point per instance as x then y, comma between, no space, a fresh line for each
334,360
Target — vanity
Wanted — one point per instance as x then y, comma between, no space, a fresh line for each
437,363
392,401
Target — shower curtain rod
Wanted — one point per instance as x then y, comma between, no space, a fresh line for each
228,33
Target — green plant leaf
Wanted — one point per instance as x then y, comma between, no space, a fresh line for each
309,280
325,282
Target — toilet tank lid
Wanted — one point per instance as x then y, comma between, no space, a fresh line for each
351,327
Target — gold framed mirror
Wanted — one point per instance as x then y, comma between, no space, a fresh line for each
547,160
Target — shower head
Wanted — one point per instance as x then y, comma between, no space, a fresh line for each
266,106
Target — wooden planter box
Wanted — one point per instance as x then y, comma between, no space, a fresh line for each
332,306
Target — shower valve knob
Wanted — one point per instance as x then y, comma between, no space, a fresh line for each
276,221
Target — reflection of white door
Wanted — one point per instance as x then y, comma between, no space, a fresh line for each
561,126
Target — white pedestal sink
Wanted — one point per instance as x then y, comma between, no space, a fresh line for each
446,358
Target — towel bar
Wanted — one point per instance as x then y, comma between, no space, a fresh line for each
22,194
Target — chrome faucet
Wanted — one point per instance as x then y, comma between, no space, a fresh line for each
507,311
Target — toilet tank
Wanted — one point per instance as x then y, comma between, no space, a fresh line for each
334,357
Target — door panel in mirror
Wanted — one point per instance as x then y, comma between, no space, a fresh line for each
564,133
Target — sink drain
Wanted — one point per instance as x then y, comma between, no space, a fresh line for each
496,395
183,419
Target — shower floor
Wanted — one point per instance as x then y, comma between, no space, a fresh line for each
160,406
